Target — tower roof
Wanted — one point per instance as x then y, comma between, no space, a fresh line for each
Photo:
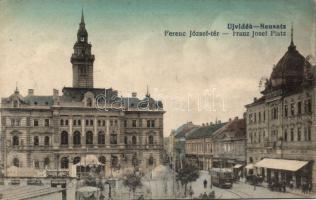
289,71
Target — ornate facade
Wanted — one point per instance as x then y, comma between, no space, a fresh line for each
281,123
82,125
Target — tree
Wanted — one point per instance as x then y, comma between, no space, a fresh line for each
132,181
188,173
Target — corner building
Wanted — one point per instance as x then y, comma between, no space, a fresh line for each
281,134
84,125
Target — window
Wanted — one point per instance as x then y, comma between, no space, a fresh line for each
299,108
134,140
75,122
292,134
89,137
36,141
64,138
113,139
46,162
46,141
61,122
36,164
15,140
292,109
115,122
151,139
309,134
125,140
79,122
134,123
87,122
66,122
103,122
125,123
89,102
16,162
285,135
285,110
99,122
77,138
264,116
46,122
255,117
298,134
76,160
259,116
91,122
152,123
111,122
150,161
114,161
15,103
35,122
101,138
64,163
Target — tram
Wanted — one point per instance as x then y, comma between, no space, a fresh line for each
222,177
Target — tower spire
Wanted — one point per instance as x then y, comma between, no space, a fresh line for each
292,45
147,92
82,17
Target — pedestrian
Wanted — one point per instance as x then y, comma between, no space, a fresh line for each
254,181
191,192
310,187
284,186
205,183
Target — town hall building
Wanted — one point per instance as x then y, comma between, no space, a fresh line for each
82,127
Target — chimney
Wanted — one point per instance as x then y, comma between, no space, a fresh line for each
203,124
236,118
30,92
134,94
55,97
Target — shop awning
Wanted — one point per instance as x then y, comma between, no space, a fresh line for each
281,164
237,166
249,166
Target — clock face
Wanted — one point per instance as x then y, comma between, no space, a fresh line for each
82,39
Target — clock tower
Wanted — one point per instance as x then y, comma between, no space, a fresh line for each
82,59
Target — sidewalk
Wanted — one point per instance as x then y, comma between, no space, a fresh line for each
288,190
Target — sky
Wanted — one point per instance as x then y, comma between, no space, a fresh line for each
198,79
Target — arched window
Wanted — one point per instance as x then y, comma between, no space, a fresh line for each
36,141
102,160
46,162
46,141
134,140
15,140
101,137
64,138
16,162
64,163
89,137
76,160
89,102
77,138
151,139
150,161
125,140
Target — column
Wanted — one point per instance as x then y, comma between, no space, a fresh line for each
70,135
95,133
83,134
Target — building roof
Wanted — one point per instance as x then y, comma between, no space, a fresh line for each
234,129
205,131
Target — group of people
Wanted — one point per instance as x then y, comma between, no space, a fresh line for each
307,187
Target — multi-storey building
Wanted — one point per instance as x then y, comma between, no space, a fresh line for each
281,140
82,126
199,145
230,145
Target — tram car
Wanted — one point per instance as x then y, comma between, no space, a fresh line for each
222,177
